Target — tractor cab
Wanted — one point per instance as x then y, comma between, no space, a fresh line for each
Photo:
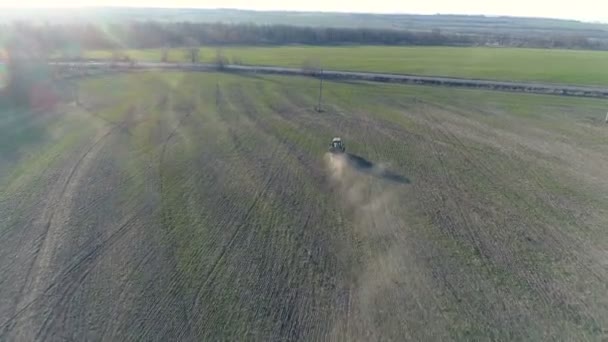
337,146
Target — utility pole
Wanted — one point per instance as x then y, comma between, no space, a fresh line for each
75,93
319,109
77,100
217,95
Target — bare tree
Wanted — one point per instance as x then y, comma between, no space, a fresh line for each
220,59
193,50
193,54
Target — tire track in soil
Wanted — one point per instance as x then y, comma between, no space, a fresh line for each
88,258
50,211
196,301
114,127
382,220
355,323
392,132
75,275
121,295
471,236
487,172
176,281
492,178
273,163
353,124
158,140
468,156
73,286
340,121
21,200
147,257
51,177
294,109
165,222
546,292
259,194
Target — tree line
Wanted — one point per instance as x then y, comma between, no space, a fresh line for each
66,38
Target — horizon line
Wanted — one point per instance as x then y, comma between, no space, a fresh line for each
135,7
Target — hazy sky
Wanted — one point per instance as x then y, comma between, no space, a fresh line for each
589,10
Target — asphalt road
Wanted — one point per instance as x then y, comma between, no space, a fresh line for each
537,88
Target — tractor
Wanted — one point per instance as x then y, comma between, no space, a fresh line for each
337,146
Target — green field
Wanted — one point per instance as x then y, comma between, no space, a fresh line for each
203,206
553,66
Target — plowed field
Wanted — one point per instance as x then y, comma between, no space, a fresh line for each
173,206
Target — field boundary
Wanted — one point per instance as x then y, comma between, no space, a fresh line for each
80,68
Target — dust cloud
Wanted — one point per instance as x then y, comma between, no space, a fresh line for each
364,196
371,209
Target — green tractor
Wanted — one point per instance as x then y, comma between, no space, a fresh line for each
337,146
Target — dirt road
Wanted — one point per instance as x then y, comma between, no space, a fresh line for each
520,87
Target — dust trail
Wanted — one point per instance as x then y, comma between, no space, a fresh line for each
364,195
369,203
